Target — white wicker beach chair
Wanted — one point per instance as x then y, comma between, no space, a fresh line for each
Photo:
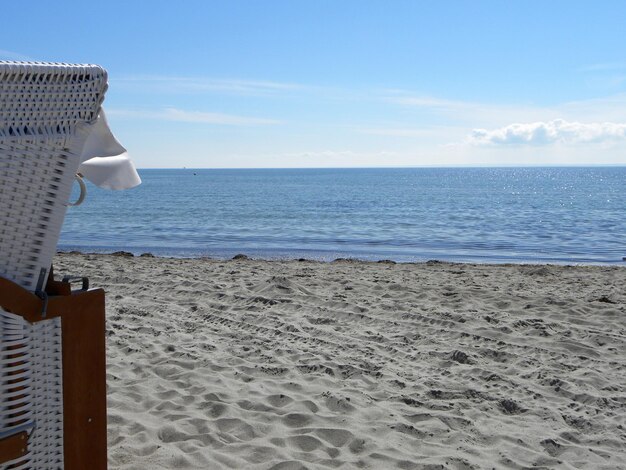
51,122
51,127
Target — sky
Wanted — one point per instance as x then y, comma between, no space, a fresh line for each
343,83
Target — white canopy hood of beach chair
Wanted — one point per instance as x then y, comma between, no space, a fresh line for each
104,161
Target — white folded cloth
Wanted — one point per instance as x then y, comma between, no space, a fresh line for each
104,161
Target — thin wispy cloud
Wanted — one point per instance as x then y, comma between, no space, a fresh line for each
476,114
422,133
429,102
608,75
604,67
611,108
396,131
549,133
200,117
470,113
203,85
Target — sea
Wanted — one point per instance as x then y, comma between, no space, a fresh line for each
562,215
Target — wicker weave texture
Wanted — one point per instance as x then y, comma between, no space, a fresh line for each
15,373
31,389
46,443
41,107
48,99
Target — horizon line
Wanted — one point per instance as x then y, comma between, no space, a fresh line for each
597,165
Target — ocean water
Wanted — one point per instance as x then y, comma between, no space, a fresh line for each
556,215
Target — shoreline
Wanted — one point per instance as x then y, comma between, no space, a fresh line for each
286,365
244,256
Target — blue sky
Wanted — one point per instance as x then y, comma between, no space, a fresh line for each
346,83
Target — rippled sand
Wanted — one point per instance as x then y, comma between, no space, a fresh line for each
289,365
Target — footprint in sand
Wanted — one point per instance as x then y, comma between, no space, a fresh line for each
305,443
335,437
237,428
279,401
296,420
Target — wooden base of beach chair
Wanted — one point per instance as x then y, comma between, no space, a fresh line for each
81,315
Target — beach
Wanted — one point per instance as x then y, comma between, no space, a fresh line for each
302,364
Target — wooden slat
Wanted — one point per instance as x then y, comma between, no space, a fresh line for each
13,447
16,299
57,287
84,379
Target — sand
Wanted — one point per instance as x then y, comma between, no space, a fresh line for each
289,365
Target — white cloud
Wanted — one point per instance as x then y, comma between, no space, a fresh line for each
551,132
179,115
